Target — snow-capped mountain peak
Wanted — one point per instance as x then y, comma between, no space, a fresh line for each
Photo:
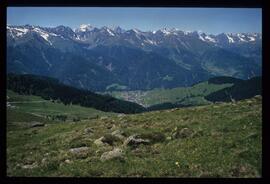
210,38
110,32
230,38
90,34
166,31
19,32
44,34
187,32
118,29
84,28
107,31
87,56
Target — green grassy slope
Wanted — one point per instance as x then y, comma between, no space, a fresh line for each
241,90
35,108
225,141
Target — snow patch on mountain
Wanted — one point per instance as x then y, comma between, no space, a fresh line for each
82,34
201,38
77,37
117,29
210,39
81,84
43,34
241,37
19,31
231,40
45,59
85,27
136,31
165,31
109,67
187,32
110,32
150,42
251,38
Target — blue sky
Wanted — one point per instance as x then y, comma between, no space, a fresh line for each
209,20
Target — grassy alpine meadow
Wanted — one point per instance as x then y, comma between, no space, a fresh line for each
38,108
215,140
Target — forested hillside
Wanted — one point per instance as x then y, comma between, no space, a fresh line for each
49,88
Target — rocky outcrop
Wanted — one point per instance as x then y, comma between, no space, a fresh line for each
135,140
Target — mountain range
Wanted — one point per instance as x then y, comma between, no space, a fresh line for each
105,58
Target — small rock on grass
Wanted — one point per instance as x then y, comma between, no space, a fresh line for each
99,142
88,130
30,166
68,161
118,134
113,127
116,153
44,160
78,150
134,141
36,124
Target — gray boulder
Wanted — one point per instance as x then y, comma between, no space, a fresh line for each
99,142
118,134
116,153
30,166
134,141
88,130
78,150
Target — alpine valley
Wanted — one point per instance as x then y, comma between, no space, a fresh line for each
109,59
109,102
